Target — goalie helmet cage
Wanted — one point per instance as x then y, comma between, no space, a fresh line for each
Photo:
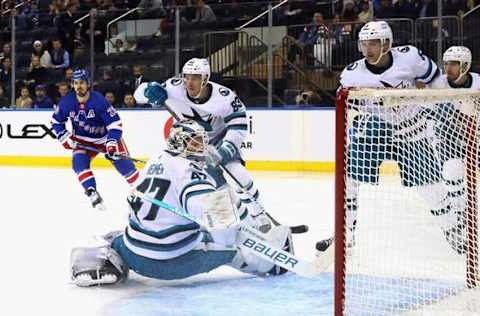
401,262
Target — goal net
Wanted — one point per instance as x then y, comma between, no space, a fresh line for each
406,202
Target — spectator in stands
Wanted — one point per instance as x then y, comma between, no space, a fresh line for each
406,9
6,74
24,101
107,83
308,97
60,56
117,42
138,77
348,13
40,52
386,10
42,100
295,12
129,101
37,73
66,27
6,51
313,33
204,14
364,15
111,99
63,90
68,75
4,100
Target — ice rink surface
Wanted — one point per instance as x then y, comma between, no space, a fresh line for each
45,213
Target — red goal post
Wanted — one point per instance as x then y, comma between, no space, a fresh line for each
433,273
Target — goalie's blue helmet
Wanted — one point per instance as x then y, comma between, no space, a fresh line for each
81,74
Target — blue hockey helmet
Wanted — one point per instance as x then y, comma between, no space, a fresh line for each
81,74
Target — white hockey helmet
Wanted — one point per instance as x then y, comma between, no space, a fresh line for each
189,139
376,30
461,54
197,66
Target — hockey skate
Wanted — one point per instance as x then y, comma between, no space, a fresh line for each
95,199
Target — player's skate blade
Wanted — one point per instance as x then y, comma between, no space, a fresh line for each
86,280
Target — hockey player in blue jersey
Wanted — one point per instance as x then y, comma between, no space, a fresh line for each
163,245
95,124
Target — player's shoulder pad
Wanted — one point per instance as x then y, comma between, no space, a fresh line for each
174,82
409,51
222,91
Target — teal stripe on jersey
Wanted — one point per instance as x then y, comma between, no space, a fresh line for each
235,115
195,193
429,71
164,233
238,127
163,247
191,184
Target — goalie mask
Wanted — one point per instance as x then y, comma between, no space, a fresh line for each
197,66
376,30
460,54
189,139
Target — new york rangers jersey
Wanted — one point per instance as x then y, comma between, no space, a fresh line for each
407,65
441,82
94,121
159,234
223,115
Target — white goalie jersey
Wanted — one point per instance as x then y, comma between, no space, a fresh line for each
154,232
441,82
408,65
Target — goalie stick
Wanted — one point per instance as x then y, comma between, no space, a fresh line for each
89,148
296,229
255,242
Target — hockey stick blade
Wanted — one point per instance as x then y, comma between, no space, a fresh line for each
89,148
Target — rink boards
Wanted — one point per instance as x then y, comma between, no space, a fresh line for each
296,140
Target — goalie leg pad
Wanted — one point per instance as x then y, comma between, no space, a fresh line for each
278,236
452,173
96,266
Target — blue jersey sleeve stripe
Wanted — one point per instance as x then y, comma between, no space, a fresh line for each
195,193
235,115
163,247
164,233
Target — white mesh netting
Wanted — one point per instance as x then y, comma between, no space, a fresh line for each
410,202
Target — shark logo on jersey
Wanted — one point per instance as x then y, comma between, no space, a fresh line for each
224,92
206,124
176,81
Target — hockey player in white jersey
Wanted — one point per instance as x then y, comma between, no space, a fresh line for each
385,134
220,111
163,245
450,134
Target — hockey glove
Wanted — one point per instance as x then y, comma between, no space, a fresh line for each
222,155
155,93
66,140
112,152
